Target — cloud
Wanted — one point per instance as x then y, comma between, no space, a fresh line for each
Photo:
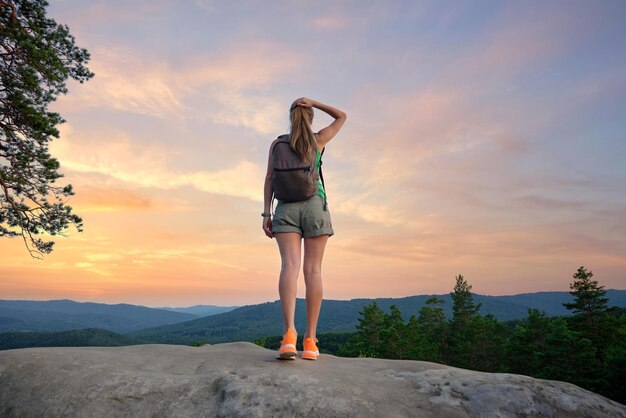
365,207
250,64
444,241
207,5
147,166
102,256
232,86
430,142
244,180
94,268
228,87
109,13
454,133
126,81
108,199
204,255
446,164
331,22
257,113
550,203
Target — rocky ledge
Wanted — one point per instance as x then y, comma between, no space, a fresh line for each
242,379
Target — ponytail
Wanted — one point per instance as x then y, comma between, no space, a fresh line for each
302,138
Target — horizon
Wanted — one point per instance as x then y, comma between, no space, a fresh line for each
278,300
481,139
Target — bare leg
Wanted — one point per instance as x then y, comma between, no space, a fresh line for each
289,244
313,254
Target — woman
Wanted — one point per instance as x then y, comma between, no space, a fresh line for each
294,221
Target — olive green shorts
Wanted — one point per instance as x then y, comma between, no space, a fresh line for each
309,217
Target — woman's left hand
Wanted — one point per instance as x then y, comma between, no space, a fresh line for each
267,226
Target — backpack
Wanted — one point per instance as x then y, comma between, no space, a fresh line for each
293,180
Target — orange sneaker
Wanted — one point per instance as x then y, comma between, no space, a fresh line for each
310,350
287,350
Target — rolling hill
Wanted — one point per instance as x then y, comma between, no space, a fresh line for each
63,315
253,321
248,322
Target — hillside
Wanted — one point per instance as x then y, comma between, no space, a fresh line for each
247,322
552,302
75,338
254,321
63,315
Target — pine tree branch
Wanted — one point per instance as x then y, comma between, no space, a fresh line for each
13,17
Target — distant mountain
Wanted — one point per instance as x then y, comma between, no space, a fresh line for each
251,321
75,338
202,310
63,315
254,321
552,302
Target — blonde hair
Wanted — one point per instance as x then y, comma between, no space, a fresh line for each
302,139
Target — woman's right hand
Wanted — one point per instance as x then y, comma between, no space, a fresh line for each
267,226
303,101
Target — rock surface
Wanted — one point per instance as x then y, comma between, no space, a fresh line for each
242,379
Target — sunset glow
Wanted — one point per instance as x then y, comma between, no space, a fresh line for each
484,139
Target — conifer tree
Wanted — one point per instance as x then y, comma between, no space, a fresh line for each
461,336
368,339
589,296
463,306
393,335
417,348
37,55
432,324
431,314
488,338
546,348
590,310
615,360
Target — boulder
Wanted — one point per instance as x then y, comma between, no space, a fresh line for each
244,380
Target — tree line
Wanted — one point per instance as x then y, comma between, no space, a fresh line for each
587,348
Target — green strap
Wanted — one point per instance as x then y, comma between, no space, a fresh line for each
322,177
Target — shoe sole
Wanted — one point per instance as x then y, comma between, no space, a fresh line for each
309,355
287,355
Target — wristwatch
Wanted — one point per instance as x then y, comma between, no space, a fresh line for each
265,214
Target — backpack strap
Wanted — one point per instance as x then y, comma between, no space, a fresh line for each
322,178
273,196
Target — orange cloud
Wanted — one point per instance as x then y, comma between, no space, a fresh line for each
101,199
147,166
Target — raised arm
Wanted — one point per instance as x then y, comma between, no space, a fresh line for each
327,133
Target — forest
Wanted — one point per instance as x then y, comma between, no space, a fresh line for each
587,348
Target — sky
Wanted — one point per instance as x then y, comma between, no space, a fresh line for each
483,138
